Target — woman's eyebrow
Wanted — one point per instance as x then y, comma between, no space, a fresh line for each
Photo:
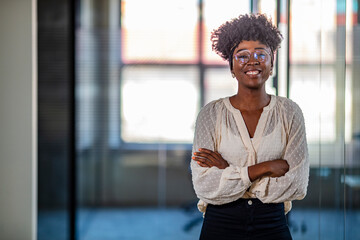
248,49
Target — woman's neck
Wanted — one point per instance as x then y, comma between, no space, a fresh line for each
250,100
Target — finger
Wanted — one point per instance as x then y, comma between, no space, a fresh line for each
205,150
201,161
218,154
204,155
203,165
215,158
212,153
210,156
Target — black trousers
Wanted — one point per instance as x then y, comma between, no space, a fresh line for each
245,219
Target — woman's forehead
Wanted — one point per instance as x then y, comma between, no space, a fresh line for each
251,45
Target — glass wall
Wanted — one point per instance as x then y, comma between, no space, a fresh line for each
322,61
145,68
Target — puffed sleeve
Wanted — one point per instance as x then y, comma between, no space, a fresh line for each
213,185
293,185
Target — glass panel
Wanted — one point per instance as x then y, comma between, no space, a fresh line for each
351,177
159,30
159,104
216,14
135,124
317,84
305,77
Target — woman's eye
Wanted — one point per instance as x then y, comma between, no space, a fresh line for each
262,57
242,56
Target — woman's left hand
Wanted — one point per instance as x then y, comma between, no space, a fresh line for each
207,158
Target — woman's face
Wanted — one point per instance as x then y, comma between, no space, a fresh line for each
252,64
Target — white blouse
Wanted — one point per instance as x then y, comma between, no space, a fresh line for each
280,134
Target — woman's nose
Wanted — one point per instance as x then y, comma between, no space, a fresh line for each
253,62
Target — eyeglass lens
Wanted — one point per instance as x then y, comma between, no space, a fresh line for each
244,56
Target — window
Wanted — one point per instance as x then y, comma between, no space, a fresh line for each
159,104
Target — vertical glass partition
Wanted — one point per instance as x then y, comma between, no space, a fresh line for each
322,64
137,100
317,85
351,177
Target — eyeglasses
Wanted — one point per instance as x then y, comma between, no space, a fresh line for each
244,56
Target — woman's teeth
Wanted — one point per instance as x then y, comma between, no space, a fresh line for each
252,72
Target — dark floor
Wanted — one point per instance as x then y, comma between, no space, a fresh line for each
182,224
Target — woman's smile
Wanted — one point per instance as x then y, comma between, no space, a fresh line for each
253,72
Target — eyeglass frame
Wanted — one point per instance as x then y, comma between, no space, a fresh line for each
253,54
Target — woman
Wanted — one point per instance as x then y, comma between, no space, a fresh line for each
250,157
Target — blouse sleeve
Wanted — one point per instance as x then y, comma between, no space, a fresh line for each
213,185
293,185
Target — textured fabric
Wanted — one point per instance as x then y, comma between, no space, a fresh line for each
245,219
280,134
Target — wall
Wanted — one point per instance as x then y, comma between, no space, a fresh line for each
17,120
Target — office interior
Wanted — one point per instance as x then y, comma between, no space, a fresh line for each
119,84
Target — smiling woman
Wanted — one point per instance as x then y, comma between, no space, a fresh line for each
250,157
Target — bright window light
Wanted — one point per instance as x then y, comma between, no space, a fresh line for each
159,104
167,32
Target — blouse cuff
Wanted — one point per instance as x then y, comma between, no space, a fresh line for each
287,206
235,173
201,205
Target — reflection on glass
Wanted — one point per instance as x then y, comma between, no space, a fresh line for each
159,104
159,30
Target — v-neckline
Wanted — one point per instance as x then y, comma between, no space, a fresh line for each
240,122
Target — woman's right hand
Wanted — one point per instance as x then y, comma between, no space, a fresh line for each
277,168
272,168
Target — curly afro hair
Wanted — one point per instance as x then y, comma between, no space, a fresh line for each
248,27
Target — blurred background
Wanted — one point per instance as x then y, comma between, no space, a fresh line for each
120,83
